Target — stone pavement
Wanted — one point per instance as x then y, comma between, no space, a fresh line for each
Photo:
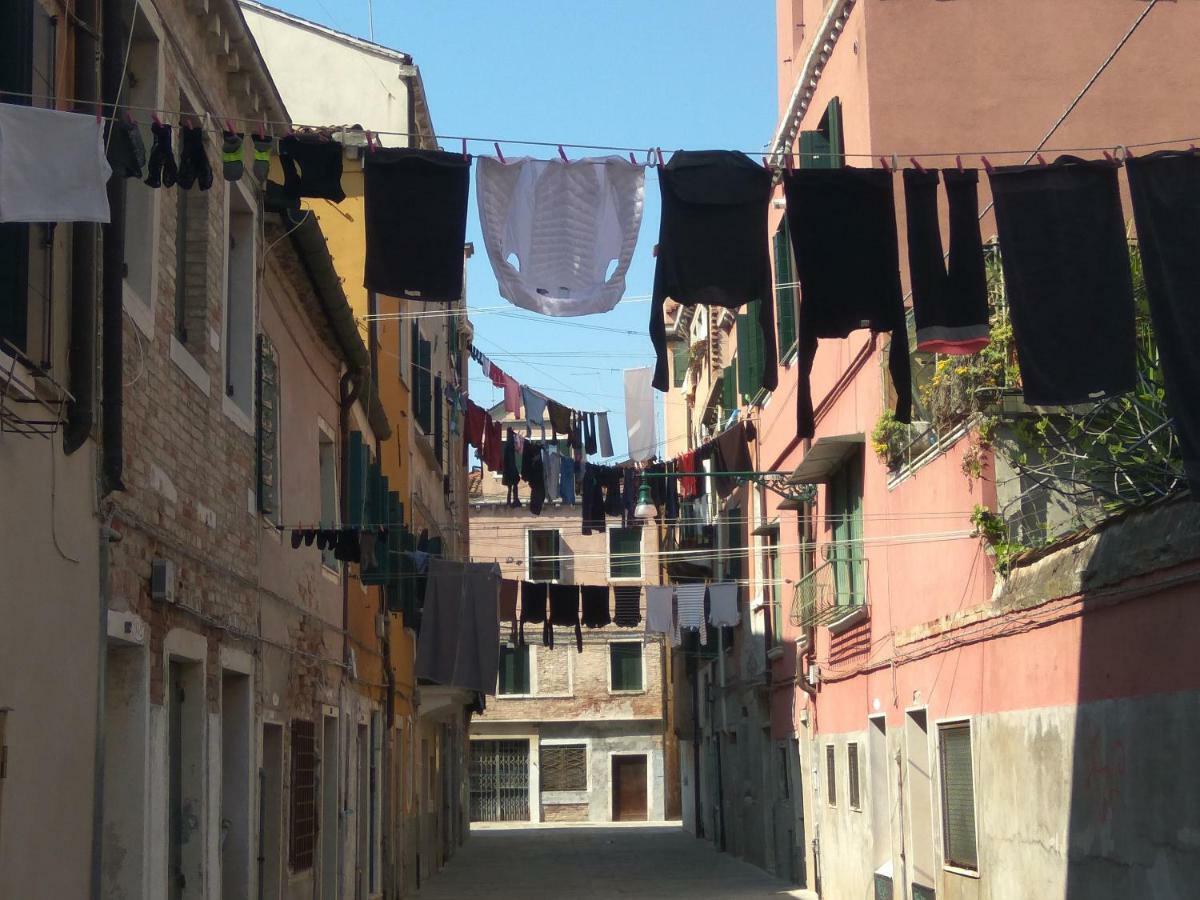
592,862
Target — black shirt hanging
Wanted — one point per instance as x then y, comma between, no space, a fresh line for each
320,167
843,227
1067,278
416,222
713,245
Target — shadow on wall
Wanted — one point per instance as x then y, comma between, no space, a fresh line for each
1134,821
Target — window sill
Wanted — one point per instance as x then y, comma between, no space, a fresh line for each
237,415
858,614
630,579
332,575
500,696
190,366
775,652
626,693
140,312
801,643
564,798
965,873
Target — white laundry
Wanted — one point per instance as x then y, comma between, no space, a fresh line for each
565,223
604,435
52,166
639,413
690,600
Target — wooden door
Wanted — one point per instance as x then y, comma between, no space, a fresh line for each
629,789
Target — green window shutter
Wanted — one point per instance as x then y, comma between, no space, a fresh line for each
745,362
729,388
514,670
625,659
415,381
823,148
356,477
785,290
758,344
426,385
832,126
681,359
958,796
625,552
267,432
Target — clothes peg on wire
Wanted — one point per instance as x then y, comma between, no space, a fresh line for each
883,162
229,125
1041,160
958,161
1125,154
129,117
987,164
916,165
155,118
499,152
632,160
658,153
562,153
466,155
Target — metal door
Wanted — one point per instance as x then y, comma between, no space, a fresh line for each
499,781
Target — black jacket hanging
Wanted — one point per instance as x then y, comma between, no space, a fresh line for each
533,609
564,610
1165,189
416,222
843,227
595,606
1067,277
713,245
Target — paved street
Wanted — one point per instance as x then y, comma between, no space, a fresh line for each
577,862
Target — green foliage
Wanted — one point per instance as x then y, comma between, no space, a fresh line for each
889,438
992,528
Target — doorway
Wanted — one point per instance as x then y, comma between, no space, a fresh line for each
499,781
629,795
919,789
270,810
236,769
329,808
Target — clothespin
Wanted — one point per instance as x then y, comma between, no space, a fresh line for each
562,153
787,161
1108,156
766,164
466,155
916,165
987,164
99,111
155,118
229,125
1041,160
129,117
632,161
658,153
958,160
499,153
883,162
370,143
1125,154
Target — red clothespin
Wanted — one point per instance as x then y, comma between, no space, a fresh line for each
466,155
916,165
883,162
766,164
658,153
129,117
1126,153
155,118
562,153
499,153
229,125
1041,160
1108,156
787,161
958,160
632,161
99,116
370,143
987,164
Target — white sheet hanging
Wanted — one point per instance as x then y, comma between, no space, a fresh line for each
564,223
639,413
52,166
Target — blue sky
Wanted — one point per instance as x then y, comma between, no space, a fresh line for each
694,74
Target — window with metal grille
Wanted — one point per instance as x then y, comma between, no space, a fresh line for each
958,795
852,775
564,767
831,773
302,837
514,670
625,552
625,659
544,550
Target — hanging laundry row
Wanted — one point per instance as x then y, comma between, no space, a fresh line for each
349,544
572,605
670,609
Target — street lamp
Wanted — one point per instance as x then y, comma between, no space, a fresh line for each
645,508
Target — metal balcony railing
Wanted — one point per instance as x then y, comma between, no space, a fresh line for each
832,590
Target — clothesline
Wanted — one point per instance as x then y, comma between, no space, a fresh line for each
271,124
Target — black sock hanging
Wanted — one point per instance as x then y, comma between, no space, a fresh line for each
194,167
161,170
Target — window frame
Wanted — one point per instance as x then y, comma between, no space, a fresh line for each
943,725
327,438
831,775
530,671
230,403
556,562
785,267
853,776
300,860
844,497
641,656
623,557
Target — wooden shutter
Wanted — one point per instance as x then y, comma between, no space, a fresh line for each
681,359
745,351
729,388
563,767
267,432
831,773
852,775
958,795
785,290
823,148
626,662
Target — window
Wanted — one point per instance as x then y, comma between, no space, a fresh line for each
28,43
785,787
422,380
831,773
513,677
729,399
844,496
681,358
625,552
191,260
751,353
267,437
544,547
823,148
625,661
771,591
327,462
239,302
564,767
141,90
303,817
852,774
958,796
786,289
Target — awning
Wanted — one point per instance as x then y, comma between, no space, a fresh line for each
825,456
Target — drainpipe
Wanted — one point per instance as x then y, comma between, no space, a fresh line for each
112,264
348,390
81,362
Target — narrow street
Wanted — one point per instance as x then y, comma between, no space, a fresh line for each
577,862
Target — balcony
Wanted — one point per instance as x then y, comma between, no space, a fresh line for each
834,594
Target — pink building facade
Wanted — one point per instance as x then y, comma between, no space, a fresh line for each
946,720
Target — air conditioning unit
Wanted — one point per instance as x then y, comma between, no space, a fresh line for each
162,581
